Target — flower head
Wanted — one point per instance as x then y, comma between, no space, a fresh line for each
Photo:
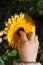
15,24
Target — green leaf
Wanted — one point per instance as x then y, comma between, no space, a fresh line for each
40,7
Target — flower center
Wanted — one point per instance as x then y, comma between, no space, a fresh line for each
19,29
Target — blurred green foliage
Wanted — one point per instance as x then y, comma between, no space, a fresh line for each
32,7
40,7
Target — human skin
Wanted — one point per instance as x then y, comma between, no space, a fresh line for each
1,33
28,47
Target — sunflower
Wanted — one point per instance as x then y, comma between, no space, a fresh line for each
15,24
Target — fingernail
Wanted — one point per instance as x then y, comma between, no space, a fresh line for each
21,32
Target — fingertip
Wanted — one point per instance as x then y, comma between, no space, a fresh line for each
1,33
32,36
0,40
20,32
36,40
37,37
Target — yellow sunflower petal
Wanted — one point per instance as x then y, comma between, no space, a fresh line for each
5,38
9,21
14,24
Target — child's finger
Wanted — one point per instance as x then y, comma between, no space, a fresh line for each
29,35
32,36
1,33
19,48
0,40
36,40
23,37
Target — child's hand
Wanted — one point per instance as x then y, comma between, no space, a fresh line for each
1,33
28,48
